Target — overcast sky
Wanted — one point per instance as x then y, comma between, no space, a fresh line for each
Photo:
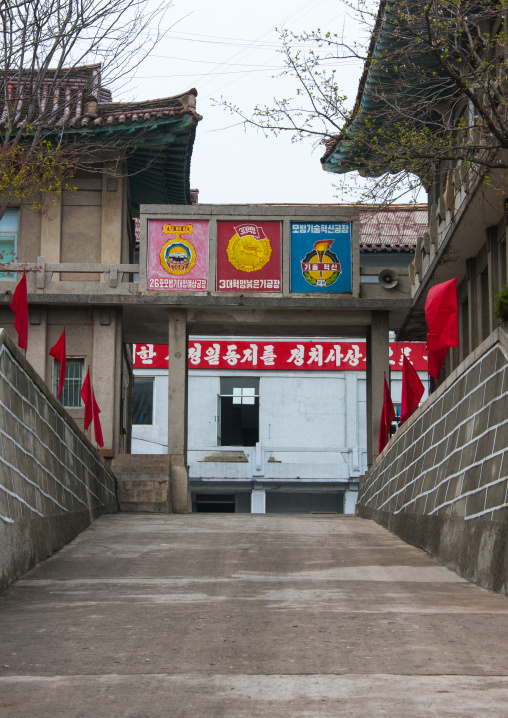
230,49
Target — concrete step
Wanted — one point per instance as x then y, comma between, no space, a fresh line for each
145,463
143,482
149,496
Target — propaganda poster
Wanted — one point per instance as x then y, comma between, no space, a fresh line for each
321,257
177,257
249,256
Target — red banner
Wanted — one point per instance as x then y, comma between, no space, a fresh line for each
249,256
279,355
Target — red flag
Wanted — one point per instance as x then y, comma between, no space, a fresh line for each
59,352
441,313
436,359
387,416
412,389
97,428
19,305
86,395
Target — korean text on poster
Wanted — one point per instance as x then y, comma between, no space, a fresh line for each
321,257
279,355
249,256
177,256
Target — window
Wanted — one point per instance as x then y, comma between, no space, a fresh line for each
71,394
9,233
238,411
142,401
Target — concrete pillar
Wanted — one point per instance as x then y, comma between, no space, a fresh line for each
377,367
472,304
51,231
106,373
350,498
258,501
111,219
177,412
491,244
37,351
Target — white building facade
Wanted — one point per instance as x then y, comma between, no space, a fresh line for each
275,426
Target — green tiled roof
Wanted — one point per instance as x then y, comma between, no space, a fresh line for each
157,136
346,152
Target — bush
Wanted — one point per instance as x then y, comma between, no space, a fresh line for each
501,306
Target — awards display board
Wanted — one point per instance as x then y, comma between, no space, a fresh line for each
249,256
321,257
177,255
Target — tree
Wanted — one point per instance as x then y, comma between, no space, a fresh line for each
433,94
56,55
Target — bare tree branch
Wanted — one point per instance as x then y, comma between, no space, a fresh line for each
57,57
433,94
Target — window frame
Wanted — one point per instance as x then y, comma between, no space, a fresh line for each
56,377
254,382
14,235
144,379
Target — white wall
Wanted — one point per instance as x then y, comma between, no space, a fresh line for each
312,425
307,411
153,438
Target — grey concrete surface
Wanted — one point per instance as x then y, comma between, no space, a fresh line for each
148,616
441,483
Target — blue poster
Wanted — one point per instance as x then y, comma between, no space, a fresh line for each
321,257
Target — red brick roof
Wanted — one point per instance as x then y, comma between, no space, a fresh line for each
395,228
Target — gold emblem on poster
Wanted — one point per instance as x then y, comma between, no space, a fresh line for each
178,255
249,249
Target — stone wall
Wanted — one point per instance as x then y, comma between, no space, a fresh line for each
441,482
53,483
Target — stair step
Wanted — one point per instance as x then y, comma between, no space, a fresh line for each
140,463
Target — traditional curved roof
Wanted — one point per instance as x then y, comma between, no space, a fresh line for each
346,151
156,135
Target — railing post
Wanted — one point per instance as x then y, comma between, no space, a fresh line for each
40,280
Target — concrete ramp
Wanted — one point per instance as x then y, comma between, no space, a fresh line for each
243,616
53,482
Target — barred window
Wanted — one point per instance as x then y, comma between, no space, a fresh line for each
71,394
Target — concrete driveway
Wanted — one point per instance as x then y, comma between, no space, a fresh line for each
208,615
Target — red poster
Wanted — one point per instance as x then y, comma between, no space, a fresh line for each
279,355
249,256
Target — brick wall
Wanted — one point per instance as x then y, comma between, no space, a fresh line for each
441,483
53,482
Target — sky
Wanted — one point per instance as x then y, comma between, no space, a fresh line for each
231,50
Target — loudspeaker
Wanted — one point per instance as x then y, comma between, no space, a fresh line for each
388,278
